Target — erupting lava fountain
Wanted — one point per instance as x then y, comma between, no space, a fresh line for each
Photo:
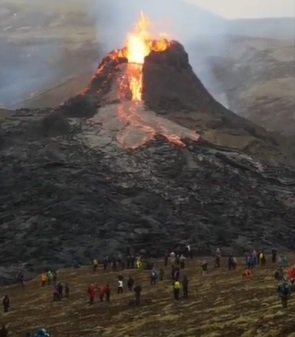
118,87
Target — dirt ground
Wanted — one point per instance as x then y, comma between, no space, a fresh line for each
220,304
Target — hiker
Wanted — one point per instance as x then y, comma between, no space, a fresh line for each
189,252
172,257
291,274
279,274
217,261
176,289
55,294
153,277
49,277
6,303
94,265
3,331
20,278
285,261
182,261
139,264
120,286
161,274
137,291
54,276
284,292
247,274
44,279
254,257
41,333
114,264
204,267
172,271
185,286
107,292
176,274
274,255
262,259
101,294
60,289
232,263
67,290
130,283
91,293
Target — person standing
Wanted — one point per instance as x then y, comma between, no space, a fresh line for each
67,290
284,292
204,267
6,303
120,286
3,331
185,286
153,277
130,283
60,289
161,274
91,293
274,255
107,291
94,265
176,288
137,291
44,279
182,261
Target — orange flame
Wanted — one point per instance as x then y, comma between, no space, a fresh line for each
140,45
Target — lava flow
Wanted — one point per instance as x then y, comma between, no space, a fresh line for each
138,128
119,79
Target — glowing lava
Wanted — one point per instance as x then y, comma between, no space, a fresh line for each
140,45
137,126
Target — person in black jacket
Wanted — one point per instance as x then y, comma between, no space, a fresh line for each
6,303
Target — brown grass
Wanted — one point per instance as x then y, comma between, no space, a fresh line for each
220,304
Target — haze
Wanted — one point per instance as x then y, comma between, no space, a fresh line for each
233,9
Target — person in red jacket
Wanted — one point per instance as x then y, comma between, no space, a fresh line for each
91,293
291,274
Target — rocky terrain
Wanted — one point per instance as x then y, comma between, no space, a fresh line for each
72,187
258,77
221,304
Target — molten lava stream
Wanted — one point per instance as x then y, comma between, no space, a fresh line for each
134,75
135,132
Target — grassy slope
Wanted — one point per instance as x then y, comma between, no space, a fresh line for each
221,304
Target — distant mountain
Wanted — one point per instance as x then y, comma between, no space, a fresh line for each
274,28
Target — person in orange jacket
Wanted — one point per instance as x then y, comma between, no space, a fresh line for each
44,279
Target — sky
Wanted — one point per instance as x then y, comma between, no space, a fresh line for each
233,9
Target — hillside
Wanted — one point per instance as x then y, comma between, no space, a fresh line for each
221,304
47,48
254,77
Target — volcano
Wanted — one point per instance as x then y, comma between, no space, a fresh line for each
162,96
143,158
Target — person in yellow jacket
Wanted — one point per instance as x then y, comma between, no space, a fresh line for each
176,288
44,279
